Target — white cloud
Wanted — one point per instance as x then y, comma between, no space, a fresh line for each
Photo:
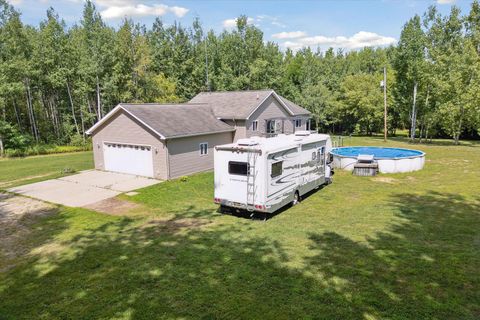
178,11
15,2
274,21
232,23
358,40
446,1
289,35
112,9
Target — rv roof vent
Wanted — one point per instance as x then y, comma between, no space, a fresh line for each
302,133
247,142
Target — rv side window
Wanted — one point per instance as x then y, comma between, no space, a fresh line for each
277,169
238,168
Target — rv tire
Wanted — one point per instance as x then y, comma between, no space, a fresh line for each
296,198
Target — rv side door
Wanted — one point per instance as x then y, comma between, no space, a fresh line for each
321,160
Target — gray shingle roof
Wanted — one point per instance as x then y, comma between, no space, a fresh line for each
296,109
240,104
178,120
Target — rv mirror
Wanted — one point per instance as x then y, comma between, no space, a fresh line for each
329,158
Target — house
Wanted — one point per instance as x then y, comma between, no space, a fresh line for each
166,141
253,113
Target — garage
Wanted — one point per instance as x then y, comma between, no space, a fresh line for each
160,141
128,158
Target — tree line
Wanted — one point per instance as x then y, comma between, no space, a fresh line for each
57,81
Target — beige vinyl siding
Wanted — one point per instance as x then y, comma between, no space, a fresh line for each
240,132
122,128
271,108
184,153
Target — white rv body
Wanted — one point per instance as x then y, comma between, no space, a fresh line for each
263,174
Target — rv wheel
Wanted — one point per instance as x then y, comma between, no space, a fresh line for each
296,198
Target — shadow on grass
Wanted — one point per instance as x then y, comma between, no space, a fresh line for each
425,267
245,214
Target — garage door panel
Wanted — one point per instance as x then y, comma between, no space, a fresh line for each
127,158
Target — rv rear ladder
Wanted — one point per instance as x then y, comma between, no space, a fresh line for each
251,177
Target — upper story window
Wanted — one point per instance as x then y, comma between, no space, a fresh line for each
308,125
203,148
255,125
271,126
298,123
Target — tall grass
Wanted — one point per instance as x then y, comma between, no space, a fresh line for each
41,149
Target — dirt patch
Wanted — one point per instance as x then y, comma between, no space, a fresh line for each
114,206
385,180
17,214
174,225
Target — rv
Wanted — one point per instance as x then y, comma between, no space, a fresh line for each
264,174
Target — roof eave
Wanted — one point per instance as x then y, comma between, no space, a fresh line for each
198,134
113,112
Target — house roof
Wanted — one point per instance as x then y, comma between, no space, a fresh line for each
241,104
172,120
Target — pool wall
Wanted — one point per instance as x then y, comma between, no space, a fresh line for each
385,165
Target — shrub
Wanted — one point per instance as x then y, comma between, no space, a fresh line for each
40,149
184,179
68,170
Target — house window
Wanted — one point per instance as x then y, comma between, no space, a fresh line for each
238,168
298,123
308,125
271,126
277,169
203,148
255,125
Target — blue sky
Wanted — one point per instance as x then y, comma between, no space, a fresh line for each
347,24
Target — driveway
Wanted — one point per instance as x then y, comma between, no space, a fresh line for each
85,188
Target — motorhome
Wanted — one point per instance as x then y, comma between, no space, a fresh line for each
264,174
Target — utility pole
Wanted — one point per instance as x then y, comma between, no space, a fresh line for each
385,104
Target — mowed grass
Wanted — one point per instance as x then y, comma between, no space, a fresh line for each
16,171
402,246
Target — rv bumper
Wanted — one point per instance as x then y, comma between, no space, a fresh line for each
242,206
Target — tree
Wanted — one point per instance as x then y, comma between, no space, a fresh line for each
409,64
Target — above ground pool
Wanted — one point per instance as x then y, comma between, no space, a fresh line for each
390,160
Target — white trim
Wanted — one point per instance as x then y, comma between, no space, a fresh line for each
284,105
200,147
113,112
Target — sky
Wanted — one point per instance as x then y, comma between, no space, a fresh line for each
348,24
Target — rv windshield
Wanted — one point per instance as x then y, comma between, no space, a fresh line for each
238,168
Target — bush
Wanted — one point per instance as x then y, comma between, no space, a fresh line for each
41,149
68,170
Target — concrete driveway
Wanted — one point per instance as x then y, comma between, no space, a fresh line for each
85,188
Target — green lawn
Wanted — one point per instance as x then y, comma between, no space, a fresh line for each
16,171
403,246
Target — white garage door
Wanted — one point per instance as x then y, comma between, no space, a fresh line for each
127,158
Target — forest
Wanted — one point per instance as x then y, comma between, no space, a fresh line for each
56,80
